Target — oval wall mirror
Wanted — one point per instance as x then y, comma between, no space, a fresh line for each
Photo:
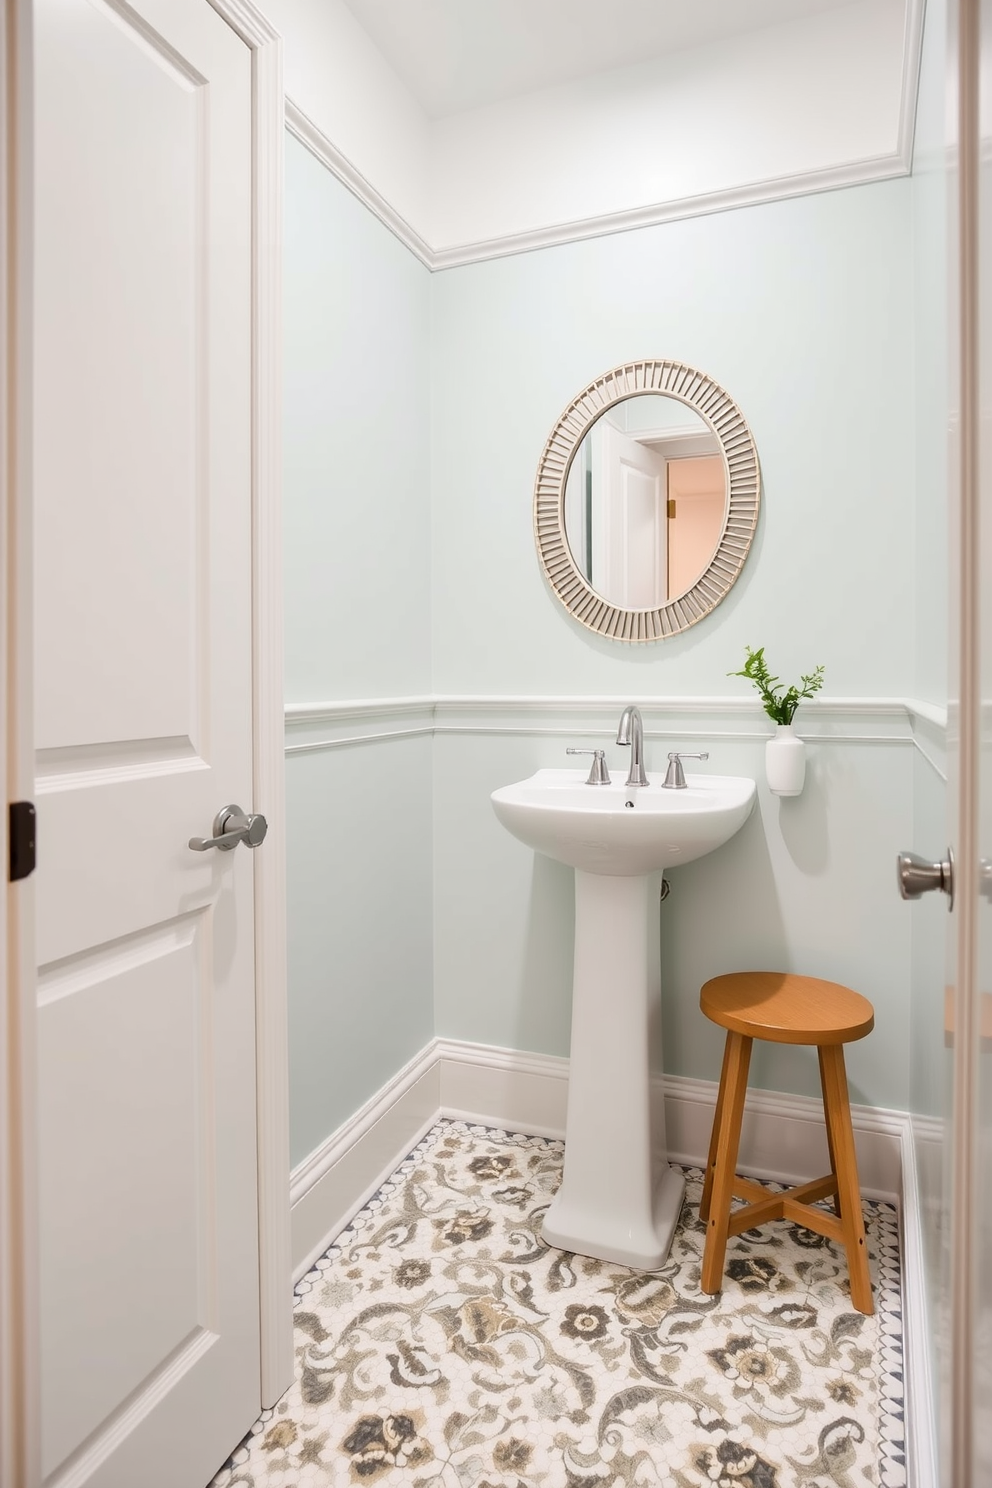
646,500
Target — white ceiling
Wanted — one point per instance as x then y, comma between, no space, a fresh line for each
455,55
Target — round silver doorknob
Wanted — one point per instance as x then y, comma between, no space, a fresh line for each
917,876
231,826
255,829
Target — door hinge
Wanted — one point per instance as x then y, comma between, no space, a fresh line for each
23,842
671,508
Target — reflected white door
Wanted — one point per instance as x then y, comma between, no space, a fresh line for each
148,1180
634,528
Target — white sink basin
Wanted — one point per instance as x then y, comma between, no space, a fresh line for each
619,1198
622,831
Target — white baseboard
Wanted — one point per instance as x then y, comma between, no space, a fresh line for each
329,1187
503,1087
782,1138
921,1409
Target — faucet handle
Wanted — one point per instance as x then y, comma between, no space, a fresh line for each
598,773
675,779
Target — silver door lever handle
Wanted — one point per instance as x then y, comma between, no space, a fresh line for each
231,826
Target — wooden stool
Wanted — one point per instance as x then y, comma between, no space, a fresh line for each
785,1009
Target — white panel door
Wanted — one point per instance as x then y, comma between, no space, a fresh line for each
148,1181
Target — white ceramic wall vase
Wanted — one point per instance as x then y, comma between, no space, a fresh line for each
785,762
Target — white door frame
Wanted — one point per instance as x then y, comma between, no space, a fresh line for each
19,1371
20,1379
959,1458
268,701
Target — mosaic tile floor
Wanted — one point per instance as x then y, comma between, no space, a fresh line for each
441,1344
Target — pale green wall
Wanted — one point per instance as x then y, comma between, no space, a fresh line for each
417,407
357,456
357,554
931,308
802,310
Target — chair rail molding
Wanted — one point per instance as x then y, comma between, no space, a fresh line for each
317,726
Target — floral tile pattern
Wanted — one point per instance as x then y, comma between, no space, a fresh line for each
442,1344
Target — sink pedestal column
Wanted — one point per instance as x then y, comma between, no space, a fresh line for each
619,1199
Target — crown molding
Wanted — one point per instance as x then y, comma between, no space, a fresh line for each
756,193
302,128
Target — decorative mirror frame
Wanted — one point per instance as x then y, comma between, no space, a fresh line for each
716,407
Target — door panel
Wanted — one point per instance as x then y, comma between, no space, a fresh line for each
148,1206
643,511
147,1170
124,310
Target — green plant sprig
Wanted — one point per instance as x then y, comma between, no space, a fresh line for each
779,703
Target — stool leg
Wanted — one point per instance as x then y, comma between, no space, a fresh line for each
725,1141
704,1202
830,1135
838,1112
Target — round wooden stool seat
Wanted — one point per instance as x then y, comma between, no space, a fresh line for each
787,1009
784,1009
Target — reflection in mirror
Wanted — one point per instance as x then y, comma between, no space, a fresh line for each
646,501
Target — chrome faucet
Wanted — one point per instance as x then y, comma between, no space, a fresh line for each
631,731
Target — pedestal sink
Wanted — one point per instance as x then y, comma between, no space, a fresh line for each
619,1199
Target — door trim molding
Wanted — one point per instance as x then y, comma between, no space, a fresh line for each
20,1371
271,1038
966,617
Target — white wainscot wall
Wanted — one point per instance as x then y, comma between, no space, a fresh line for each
391,798
808,885
360,915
